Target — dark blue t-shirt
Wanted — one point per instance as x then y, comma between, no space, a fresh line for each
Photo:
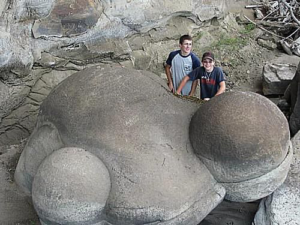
209,82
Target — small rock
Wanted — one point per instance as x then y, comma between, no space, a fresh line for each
276,78
268,44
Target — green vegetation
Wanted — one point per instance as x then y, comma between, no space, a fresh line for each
233,42
198,36
230,43
248,28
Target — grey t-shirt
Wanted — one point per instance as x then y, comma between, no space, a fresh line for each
180,67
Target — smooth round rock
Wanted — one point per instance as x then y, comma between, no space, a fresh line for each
71,187
241,136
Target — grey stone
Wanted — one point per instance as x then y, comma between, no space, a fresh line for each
292,95
276,78
14,205
13,97
243,139
49,61
4,97
139,130
33,9
68,17
295,47
141,60
123,17
268,44
65,193
282,207
3,5
16,56
109,32
257,188
20,109
259,15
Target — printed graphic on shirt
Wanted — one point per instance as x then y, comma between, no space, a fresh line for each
187,68
206,80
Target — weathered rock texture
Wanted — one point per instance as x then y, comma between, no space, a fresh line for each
88,185
277,77
283,206
134,128
244,140
292,95
14,205
45,38
68,17
139,131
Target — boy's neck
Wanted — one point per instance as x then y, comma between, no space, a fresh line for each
209,70
185,53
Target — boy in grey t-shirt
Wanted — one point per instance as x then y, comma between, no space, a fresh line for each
180,63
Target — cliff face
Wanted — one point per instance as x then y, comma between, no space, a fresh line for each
45,41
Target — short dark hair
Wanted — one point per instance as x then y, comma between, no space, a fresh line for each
185,37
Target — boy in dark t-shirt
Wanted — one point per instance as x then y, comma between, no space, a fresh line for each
212,79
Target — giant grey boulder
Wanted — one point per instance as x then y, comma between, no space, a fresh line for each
243,139
139,131
135,129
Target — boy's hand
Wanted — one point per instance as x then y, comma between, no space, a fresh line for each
171,87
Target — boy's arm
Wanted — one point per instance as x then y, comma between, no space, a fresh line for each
169,77
221,89
194,86
182,84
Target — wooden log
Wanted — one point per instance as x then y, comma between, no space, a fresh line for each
253,6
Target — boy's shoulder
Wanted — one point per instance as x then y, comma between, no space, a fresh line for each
218,69
200,70
193,54
173,53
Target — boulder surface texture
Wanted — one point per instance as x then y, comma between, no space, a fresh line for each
276,78
134,145
292,95
139,131
283,206
243,139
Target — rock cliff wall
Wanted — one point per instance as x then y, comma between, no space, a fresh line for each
45,41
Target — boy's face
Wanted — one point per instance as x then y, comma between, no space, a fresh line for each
186,47
208,64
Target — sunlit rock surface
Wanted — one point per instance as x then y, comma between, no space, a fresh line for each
243,139
68,17
58,38
139,131
283,206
